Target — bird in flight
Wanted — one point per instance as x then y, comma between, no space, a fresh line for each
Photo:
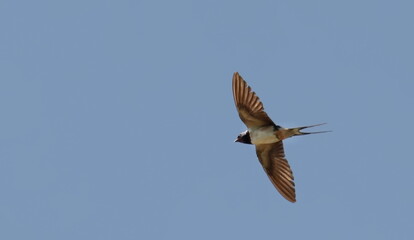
266,136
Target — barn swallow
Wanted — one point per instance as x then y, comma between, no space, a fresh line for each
266,136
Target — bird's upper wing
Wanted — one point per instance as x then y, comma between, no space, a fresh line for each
272,158
248,105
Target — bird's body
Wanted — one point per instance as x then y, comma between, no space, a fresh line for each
266,136
263,135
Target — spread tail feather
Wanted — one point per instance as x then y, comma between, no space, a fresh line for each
297,132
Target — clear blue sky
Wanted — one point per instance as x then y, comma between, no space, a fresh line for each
117,119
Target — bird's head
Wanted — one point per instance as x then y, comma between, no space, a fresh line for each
244,137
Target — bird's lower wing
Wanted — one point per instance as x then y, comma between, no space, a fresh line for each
272,158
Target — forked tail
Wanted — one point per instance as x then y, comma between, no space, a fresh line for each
297,132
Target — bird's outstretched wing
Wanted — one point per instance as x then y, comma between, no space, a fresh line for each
272,158
248,105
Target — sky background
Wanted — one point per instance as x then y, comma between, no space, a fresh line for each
118,121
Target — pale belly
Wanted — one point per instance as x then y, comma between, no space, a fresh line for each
264,135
